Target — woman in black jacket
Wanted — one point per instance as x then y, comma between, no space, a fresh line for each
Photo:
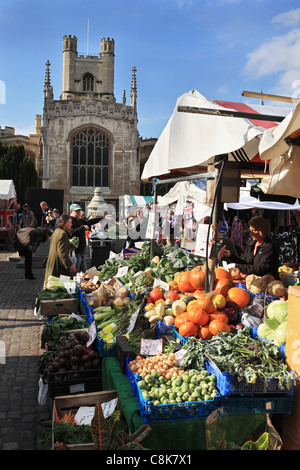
261,255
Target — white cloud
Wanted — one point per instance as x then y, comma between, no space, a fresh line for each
289,18
280,54
25,130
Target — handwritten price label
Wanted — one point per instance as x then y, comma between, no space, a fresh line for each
151,347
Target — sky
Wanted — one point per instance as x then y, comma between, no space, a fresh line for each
217,47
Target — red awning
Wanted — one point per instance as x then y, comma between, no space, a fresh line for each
242,107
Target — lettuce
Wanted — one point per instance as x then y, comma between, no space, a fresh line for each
277,309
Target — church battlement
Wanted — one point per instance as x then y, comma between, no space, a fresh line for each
70,43
107,45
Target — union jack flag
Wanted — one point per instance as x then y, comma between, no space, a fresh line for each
7,213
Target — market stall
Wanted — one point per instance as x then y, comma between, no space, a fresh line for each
176,349
7,211
130,315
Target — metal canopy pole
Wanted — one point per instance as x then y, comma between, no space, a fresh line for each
229,113
209,175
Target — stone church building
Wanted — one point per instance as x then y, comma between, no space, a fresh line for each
88,139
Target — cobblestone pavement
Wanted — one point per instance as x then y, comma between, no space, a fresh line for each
21,418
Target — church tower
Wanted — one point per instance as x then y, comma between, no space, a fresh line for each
88,139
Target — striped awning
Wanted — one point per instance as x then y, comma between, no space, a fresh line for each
139,201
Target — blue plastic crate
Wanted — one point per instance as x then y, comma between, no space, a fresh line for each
229,385
104,348
274,404
171,411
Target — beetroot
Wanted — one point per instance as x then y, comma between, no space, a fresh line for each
231,310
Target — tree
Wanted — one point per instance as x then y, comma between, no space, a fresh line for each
14,165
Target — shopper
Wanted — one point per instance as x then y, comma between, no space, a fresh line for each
261,255
27,218
78,228
41,214
59,261
28,241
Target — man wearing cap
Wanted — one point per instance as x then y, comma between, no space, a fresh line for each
79,226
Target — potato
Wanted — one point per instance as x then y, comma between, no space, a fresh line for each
256,284
276,288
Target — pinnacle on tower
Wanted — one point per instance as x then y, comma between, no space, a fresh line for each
133,94
48,90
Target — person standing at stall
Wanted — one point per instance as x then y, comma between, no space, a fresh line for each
27,218
78,228
59,261
28,240
260,256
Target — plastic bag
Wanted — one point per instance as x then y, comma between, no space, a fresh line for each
240,432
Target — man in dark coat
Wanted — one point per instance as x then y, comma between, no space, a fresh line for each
79,226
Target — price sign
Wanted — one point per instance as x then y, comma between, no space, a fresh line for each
132,321
151,347
92,331
122,271
162,284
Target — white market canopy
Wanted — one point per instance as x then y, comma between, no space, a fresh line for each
7,189
280,145
192,140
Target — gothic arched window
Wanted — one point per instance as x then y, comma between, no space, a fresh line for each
88,82
90,158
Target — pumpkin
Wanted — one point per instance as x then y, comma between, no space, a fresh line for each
206,304
180,319
199,293
197,315
223,285
204,332
184,284
188,329
238,295
177,277
222,273
190,304
218,316
216,326
197,278
173,286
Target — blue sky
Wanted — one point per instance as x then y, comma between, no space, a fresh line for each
218,47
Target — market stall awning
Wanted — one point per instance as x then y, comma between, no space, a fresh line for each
281,146
191,140
7,189
139,201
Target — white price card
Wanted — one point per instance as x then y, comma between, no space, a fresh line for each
151,347
162,284
179,355
92,331
132,321
63,278
70,287
92,272
85,414
95,279
122,271
201,240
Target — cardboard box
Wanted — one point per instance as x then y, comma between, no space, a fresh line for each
73,402
59,307
293,330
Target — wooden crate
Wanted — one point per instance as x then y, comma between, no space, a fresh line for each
59,307
73,402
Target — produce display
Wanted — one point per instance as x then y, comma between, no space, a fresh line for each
53,330
162,381
70,354
247,359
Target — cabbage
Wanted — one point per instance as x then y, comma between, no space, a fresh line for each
277,309
273,331
279,337
264,330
